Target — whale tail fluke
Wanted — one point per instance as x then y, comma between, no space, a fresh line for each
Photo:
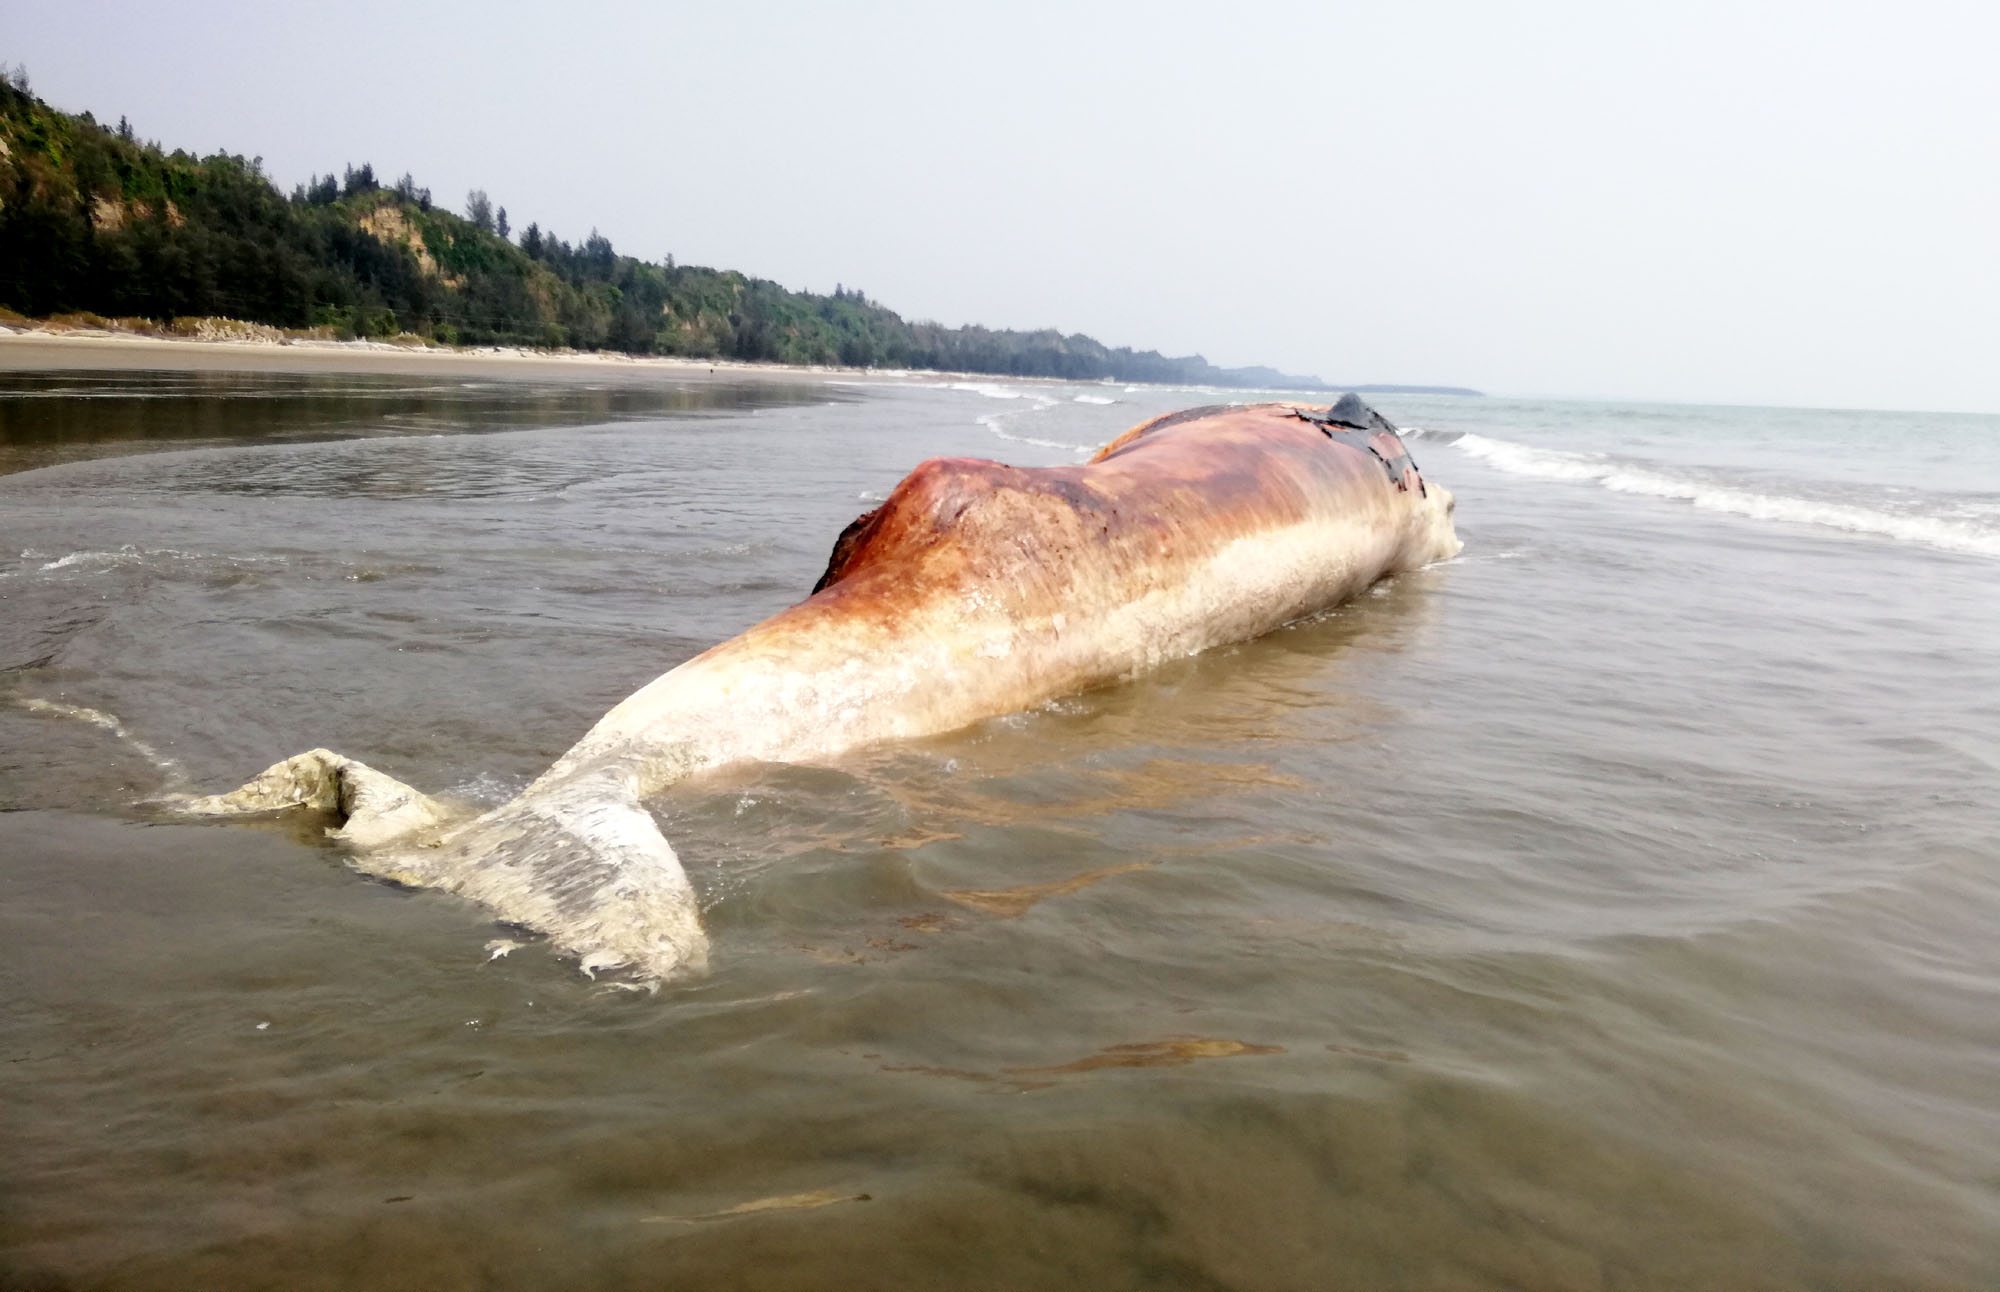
374,809
580,860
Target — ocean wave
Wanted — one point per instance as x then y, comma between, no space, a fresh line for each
1951,535
1092,399
128,554
1039,401
168,767
995,422
990,390
81,558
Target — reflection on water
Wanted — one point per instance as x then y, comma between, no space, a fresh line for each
790,1202
1151,1054
53,417
1609,908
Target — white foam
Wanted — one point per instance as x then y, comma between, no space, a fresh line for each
1520,460
131,554
1970,537
92,558
1093,399
986,388
995,422
1040,402
487,788
99,718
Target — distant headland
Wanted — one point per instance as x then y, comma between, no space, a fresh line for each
95,222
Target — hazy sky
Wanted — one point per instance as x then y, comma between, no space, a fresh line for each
1793,202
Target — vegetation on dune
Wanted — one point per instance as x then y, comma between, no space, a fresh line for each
93,219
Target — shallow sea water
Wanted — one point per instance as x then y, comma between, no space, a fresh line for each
1609,907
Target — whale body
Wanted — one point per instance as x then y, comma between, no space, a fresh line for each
975,589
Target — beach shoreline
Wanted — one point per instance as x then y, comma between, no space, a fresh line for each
35,347
28,349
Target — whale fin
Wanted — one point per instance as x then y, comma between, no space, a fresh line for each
374,809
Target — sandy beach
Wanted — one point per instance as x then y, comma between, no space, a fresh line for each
30,350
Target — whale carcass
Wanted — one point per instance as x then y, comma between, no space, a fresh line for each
976,589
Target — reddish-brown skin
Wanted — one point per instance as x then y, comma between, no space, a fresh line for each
977,589
1244,468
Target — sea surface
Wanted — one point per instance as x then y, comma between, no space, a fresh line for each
1616,905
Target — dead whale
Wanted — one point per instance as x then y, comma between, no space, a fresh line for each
976,589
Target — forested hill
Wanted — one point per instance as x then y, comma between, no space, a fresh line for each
93,219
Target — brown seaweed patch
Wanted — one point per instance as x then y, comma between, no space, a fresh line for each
1010,902
783,1202
1170,1053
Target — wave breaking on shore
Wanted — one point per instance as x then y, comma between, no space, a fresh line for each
1949,522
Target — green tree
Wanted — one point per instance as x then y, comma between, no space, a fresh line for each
93,219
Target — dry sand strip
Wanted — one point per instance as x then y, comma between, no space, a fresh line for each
37,351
